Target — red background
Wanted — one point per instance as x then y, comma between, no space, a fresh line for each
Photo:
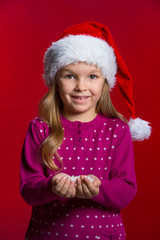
27,29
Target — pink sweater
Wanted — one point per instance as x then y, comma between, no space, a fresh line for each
102,147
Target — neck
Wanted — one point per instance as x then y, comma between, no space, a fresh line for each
81,117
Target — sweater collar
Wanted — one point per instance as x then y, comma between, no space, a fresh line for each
85,125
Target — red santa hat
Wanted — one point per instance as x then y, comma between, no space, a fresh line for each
92,42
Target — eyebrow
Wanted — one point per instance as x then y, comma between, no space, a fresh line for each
68,70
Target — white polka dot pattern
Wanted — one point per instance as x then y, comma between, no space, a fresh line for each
84,151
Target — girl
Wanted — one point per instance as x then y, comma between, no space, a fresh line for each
77,165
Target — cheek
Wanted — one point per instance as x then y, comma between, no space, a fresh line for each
97,90
64,89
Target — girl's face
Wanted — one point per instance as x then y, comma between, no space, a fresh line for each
80,87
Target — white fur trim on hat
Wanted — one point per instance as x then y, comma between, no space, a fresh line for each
139,129
80,48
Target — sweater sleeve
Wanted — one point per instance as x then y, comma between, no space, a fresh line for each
119,190
35,187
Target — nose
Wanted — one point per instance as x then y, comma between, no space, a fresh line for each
81,84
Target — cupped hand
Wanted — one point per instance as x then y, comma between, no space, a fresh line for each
63,186
85,188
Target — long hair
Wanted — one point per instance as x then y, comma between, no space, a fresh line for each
50,108
105,105
49,111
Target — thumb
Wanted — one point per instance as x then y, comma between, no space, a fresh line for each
97,183
55,180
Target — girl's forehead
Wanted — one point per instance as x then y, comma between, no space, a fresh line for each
81,66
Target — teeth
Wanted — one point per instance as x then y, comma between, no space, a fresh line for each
81,97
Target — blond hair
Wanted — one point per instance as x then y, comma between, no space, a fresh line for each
50,108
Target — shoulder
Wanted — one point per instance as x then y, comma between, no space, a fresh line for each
39,128
114,123
118,124
37,121
115,128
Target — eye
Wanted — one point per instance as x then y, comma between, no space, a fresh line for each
93,76
69,76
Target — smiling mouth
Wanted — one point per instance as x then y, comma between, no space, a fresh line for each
81,98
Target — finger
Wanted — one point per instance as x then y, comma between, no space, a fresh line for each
65,186
58,176
60,184
70,190
55,179
79,186
56,187
86,191
97,183
91,188
73,192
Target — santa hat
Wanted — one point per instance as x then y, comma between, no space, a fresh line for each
91,42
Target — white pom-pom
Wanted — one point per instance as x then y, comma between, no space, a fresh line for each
139,129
